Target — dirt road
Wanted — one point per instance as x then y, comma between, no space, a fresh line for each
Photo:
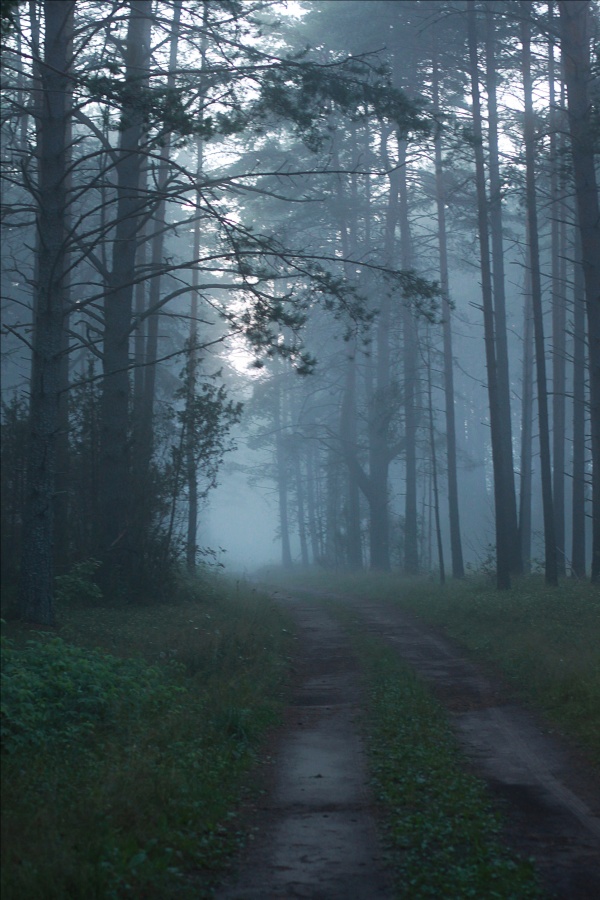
316,834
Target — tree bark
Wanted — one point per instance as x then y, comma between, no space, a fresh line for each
349,437
36,580
551,570
559,319
348,423
498,283
458,569
192,367
411,417
158,223
299,478
503,541
434,476
115,481
379,453
578,538
574,17
526,427
281,461
314,514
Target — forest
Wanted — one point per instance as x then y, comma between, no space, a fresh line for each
300,513
361,238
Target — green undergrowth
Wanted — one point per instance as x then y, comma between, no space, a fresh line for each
130,736
439,827
545,640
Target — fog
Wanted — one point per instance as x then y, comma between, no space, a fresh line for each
240,524
308,286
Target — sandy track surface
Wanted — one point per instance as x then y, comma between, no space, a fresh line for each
316,833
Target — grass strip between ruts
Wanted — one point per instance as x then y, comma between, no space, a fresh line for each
545,640
439,826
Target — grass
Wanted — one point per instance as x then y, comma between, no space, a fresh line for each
438,824
130,737
546,641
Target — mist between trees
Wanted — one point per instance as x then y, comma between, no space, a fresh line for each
390,208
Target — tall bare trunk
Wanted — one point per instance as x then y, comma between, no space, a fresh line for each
559,323
36,584
551,571
314,529
526,426
62,555
347,218
115,481
503,540
458,570
498,282
281,462
349,438
379,458
578,553
574,18
434,476
299,479
411,417
158,224
192,377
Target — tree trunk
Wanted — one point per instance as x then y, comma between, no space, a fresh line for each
36,583
331,538
192,367
409,347
578,553
348,437
526,427
347,218
498,283
559,323
379,458
281,459
115,481
158,223
314,530
458,570
436,495
62,554
551,571
574,17
300,503
139,337
503,539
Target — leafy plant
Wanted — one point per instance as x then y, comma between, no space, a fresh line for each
79,585
55,692
124,766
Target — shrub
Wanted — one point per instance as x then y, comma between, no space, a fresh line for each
78,587
52,691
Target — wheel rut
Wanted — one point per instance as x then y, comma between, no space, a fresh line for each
316,834
550,798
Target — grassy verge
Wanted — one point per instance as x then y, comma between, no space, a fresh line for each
438,824
123,766
545,640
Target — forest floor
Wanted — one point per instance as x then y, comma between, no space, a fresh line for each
315,832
